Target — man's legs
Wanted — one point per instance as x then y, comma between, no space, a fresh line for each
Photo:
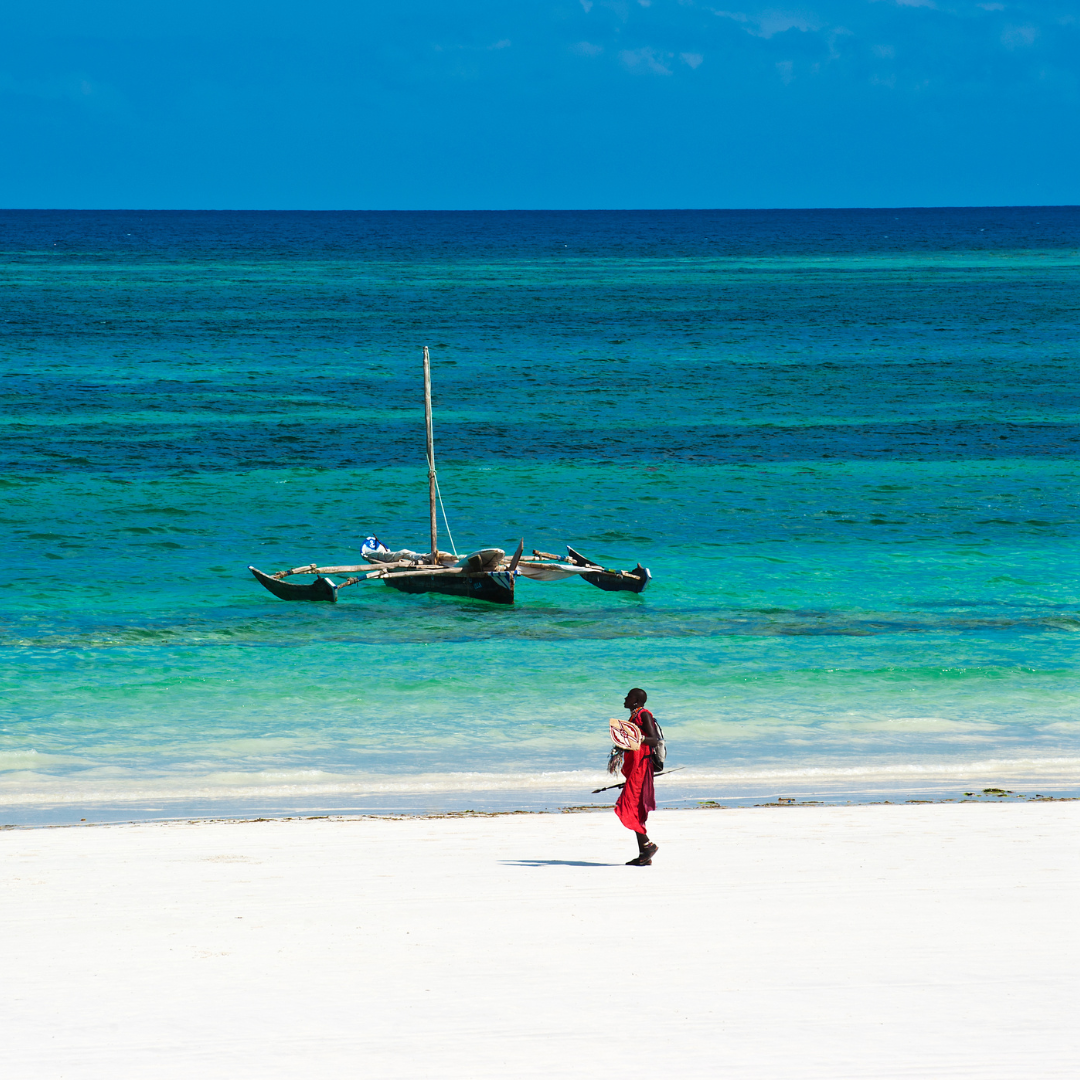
646,850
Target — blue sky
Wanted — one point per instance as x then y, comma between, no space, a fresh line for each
478,104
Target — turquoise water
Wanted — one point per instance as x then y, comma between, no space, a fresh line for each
844,442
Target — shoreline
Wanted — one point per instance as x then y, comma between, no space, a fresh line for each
24,801
986,798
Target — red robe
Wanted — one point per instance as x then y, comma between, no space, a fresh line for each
638,796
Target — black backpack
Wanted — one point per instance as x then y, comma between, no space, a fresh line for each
659,751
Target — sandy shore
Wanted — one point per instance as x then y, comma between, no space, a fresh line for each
870,941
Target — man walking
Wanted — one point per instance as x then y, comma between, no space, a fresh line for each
638,797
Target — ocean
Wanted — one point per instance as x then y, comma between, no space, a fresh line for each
843,441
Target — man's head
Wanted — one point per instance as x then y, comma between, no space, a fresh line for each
635,698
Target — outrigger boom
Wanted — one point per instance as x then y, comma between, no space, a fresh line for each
488,574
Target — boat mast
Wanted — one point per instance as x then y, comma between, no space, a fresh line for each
430,456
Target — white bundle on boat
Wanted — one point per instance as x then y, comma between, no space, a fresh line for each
552,571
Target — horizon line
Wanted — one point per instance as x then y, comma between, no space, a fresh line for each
526,210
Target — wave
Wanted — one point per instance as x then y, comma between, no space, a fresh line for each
27,789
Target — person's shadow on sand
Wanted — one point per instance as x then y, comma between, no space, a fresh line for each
552,862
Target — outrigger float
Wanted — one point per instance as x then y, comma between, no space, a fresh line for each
488,574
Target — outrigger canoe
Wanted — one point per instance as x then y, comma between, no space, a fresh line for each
488,574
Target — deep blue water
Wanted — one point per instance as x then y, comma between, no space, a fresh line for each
844,441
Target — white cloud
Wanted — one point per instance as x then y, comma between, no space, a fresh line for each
776,22
587,48
587,5
1015,37
886,52
916,3
834,35
645,3
504,44
786,69
646,59
692,59
991,7
769,23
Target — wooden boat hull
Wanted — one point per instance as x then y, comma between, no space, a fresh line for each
320,589
633,581
497,587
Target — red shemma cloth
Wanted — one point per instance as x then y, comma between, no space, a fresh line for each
638,797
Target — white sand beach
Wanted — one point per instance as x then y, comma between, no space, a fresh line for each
833,942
